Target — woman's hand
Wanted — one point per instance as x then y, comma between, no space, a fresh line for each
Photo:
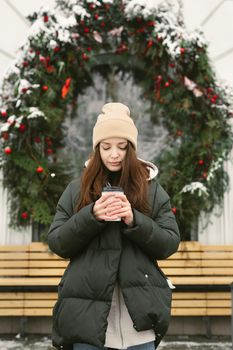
105,206
124,212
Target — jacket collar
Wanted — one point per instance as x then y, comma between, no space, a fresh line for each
153,170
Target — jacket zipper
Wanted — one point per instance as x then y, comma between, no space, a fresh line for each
119,303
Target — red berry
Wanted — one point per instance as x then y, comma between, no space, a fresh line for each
151,23
22,127
102,24
37,139
24,90
204,175
8,150
4,114
86,30
96,16
158,78
46,18
49,151
25,63
39,169
85,57
172,65
201,162
45,88
182,50
89,49
42,59
150,43
24,215
174,210
167,84
56,49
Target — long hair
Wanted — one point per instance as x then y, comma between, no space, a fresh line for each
132,178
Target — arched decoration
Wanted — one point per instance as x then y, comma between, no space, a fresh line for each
63,49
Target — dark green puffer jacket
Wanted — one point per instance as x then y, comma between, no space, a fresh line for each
102,253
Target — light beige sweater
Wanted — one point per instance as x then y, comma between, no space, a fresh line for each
120,332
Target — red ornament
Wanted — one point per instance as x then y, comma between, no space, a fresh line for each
167,84
8,150
37,139
85,57
45,87
96,16
174,210
150,43
49,151
56,49
89,49
42,59
86,30
4,114
24,215
204,175
50,69
159,78
182,50
151,23
39,169
22,128
201,162
46,18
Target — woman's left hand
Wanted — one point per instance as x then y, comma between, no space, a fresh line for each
125,212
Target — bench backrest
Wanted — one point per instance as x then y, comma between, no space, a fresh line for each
192,264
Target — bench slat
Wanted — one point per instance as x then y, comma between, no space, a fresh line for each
201,312
30,281
198,271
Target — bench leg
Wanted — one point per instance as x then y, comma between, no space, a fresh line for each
207,323
23,322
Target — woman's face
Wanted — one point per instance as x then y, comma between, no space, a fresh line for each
113,152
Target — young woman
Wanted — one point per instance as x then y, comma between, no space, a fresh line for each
113,294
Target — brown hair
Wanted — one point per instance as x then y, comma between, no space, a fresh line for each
132,178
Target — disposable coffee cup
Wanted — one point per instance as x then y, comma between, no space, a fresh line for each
113,190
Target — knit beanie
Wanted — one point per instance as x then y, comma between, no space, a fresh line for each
115,121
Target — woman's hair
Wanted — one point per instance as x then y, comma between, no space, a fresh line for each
132,178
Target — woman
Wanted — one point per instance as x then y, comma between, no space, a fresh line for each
113,294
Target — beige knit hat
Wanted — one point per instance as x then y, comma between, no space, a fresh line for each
115,121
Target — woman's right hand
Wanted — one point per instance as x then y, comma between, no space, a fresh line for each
105,205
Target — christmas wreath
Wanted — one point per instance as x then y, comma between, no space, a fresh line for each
63,49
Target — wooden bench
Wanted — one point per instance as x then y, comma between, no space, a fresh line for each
202,274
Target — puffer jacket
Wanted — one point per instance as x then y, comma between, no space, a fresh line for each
103,253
